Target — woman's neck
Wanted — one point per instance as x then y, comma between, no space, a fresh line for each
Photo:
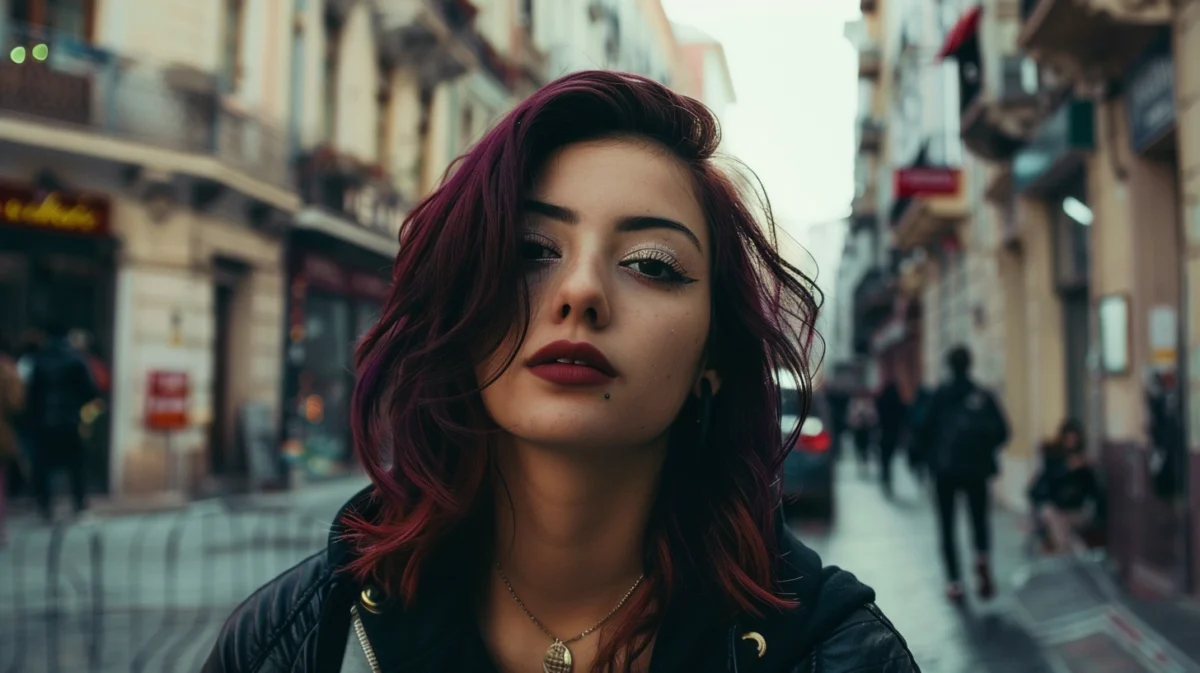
569,538
566,527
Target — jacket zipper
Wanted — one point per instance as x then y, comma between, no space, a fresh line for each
361,632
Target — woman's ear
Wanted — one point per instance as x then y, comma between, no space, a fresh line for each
714,382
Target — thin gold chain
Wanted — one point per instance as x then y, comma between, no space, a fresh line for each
585,634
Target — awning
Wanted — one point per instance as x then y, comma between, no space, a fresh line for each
964,29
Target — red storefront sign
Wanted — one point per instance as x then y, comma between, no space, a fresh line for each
925,181
25,206
167,398
326,274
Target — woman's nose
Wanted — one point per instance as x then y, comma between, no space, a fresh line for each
583,295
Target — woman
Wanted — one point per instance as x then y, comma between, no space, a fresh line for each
1066,493
568,416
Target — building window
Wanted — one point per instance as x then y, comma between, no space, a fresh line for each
329,84
383,130
233,24
467,132
66,18
527,14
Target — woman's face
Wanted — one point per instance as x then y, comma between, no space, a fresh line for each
617,252
1070,440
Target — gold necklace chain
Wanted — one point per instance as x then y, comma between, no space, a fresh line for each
585,634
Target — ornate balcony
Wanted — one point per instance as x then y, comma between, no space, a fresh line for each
428,33
1090,41
353,190
996,125
59,79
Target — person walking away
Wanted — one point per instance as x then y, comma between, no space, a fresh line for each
915,420
862,419
60,387
891,410
1066,493
12,401
839,403
964,429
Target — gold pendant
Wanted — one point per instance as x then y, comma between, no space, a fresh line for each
557,659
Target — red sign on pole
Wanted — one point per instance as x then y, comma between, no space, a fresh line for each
167,395
924,181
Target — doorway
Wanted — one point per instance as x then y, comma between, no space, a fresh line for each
227,462
219,451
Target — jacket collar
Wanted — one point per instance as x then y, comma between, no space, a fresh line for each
442,616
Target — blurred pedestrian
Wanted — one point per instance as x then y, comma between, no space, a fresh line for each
839,402
862,418
1065,494
12,403
60,387
964,430
915,449
891,411
563,417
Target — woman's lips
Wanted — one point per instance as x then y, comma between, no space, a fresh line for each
570,374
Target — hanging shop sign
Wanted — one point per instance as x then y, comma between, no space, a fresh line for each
1150,95
26,206
926,181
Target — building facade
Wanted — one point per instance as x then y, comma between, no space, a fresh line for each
129,116
213,192
1064,251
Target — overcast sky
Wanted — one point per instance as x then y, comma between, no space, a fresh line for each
793,124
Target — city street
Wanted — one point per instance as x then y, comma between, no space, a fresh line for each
1050,615
148,592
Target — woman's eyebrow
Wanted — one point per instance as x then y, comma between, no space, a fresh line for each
626,223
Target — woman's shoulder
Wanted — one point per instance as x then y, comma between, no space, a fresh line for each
864,641
270,629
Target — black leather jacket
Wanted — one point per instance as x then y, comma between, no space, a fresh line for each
300,623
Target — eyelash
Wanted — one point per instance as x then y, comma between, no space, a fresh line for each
678,275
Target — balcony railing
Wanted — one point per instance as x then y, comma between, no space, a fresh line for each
356,190
59,79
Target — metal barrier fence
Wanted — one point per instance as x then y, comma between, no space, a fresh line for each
139,594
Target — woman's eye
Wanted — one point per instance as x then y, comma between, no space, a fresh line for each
536,251
658,270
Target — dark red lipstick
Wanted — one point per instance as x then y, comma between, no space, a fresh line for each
570,363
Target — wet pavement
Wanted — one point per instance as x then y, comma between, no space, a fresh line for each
1050,615
892,545
147,593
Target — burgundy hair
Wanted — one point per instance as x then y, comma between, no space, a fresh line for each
420,427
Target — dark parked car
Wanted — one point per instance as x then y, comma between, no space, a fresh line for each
808,472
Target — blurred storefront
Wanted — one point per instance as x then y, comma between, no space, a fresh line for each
340,252
58,265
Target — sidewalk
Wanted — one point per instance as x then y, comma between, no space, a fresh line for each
1087,623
